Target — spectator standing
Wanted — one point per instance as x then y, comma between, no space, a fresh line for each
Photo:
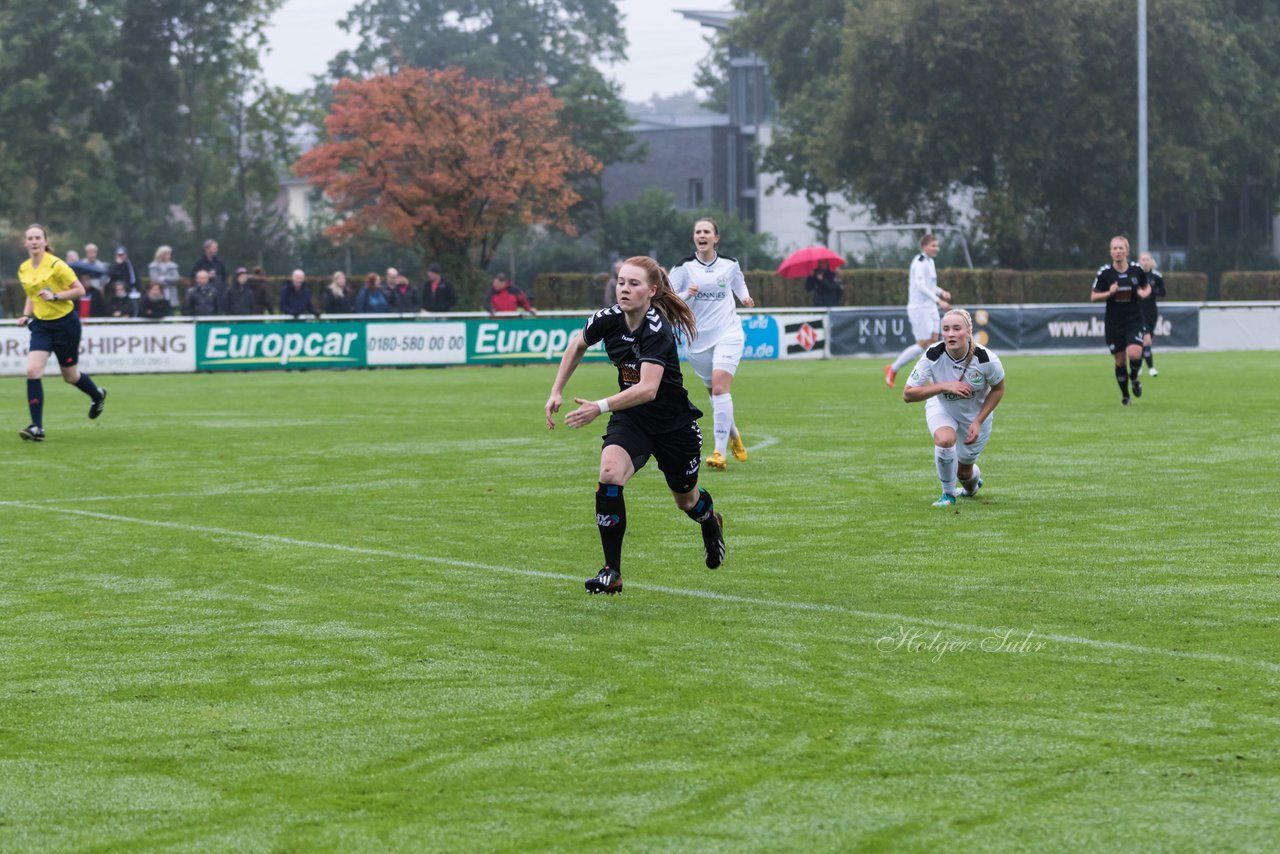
164,270
210,263
825,286
503,296
295,296
405,297
437,293
261,292
90,260
202,299
238,298
155,305
123,270
337,296
372,299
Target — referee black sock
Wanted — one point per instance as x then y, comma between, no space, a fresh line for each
35,400
1123,379
86,385
1146,354
1135,365
611,519
701,512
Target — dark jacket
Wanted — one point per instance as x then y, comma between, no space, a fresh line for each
405,298
825,287
296,301
201,301
441,299
120,307
216,269
334,304
238,299
124,271
155,309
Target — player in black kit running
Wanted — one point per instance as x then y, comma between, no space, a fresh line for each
651,413
1122,285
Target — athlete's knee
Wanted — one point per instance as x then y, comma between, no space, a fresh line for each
945,439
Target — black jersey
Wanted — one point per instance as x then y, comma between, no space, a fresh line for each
1156,281
653,341
1122,306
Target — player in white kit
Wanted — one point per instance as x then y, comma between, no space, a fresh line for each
961,384
709,281
924,298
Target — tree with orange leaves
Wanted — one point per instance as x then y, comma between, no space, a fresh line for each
444,162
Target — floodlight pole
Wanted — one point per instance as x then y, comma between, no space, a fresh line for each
1144,217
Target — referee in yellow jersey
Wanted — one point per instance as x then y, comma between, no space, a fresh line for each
52,291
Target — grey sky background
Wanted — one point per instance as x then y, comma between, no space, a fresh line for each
662,58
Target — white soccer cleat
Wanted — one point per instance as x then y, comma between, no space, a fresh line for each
1152,372
947,500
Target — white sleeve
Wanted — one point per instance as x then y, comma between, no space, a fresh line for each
995,371
679,278
921,290
738,282
922,373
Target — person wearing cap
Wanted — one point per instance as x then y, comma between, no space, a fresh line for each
238,298
437,293
122,270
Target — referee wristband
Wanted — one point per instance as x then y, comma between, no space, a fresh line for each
603,403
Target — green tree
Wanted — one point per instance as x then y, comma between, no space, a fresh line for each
653,225
1026,107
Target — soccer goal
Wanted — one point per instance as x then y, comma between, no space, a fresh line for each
888,245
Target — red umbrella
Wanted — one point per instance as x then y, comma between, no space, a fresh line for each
802,262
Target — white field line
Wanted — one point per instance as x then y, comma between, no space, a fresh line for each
773,604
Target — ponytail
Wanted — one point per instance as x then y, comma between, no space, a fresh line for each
673,309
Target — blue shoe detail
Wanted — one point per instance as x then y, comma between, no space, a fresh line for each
947,500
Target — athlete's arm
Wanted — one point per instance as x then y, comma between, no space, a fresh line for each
568,364
26,312
73,292
917,393
739,284
682,283
636,395
1099,296
988,406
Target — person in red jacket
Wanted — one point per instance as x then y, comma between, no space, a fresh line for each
504,296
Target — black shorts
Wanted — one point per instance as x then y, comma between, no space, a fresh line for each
1149,314
60,337
1122,333
679,452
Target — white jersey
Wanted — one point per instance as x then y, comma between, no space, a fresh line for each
937,366
713,306
924,289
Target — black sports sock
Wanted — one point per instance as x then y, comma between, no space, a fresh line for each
35,400
611,518
701,512
1135,365
86,385
1123,379
1146,354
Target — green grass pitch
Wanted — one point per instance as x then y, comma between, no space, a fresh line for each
344,611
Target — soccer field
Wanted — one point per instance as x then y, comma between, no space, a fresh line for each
344,611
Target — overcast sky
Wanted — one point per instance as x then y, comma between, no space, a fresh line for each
663,54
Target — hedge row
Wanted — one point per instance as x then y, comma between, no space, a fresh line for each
889,287
1262,285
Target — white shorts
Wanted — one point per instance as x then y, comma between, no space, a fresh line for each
723,356
924,321
936,416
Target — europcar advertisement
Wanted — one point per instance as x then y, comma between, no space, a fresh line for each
524,339
273,346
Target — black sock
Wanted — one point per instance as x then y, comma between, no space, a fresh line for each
1123,379
1135,365
35,399
86,385
701,512
1146,354
611,518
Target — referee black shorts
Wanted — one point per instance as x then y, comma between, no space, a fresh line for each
60,337
679,452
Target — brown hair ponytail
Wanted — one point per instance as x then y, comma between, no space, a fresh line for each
675,310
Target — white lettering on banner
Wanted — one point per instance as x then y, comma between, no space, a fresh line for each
494,339
226,343
1090,328
880,327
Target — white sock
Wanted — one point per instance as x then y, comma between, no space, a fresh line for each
912,352
946,460
973,481
722,419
